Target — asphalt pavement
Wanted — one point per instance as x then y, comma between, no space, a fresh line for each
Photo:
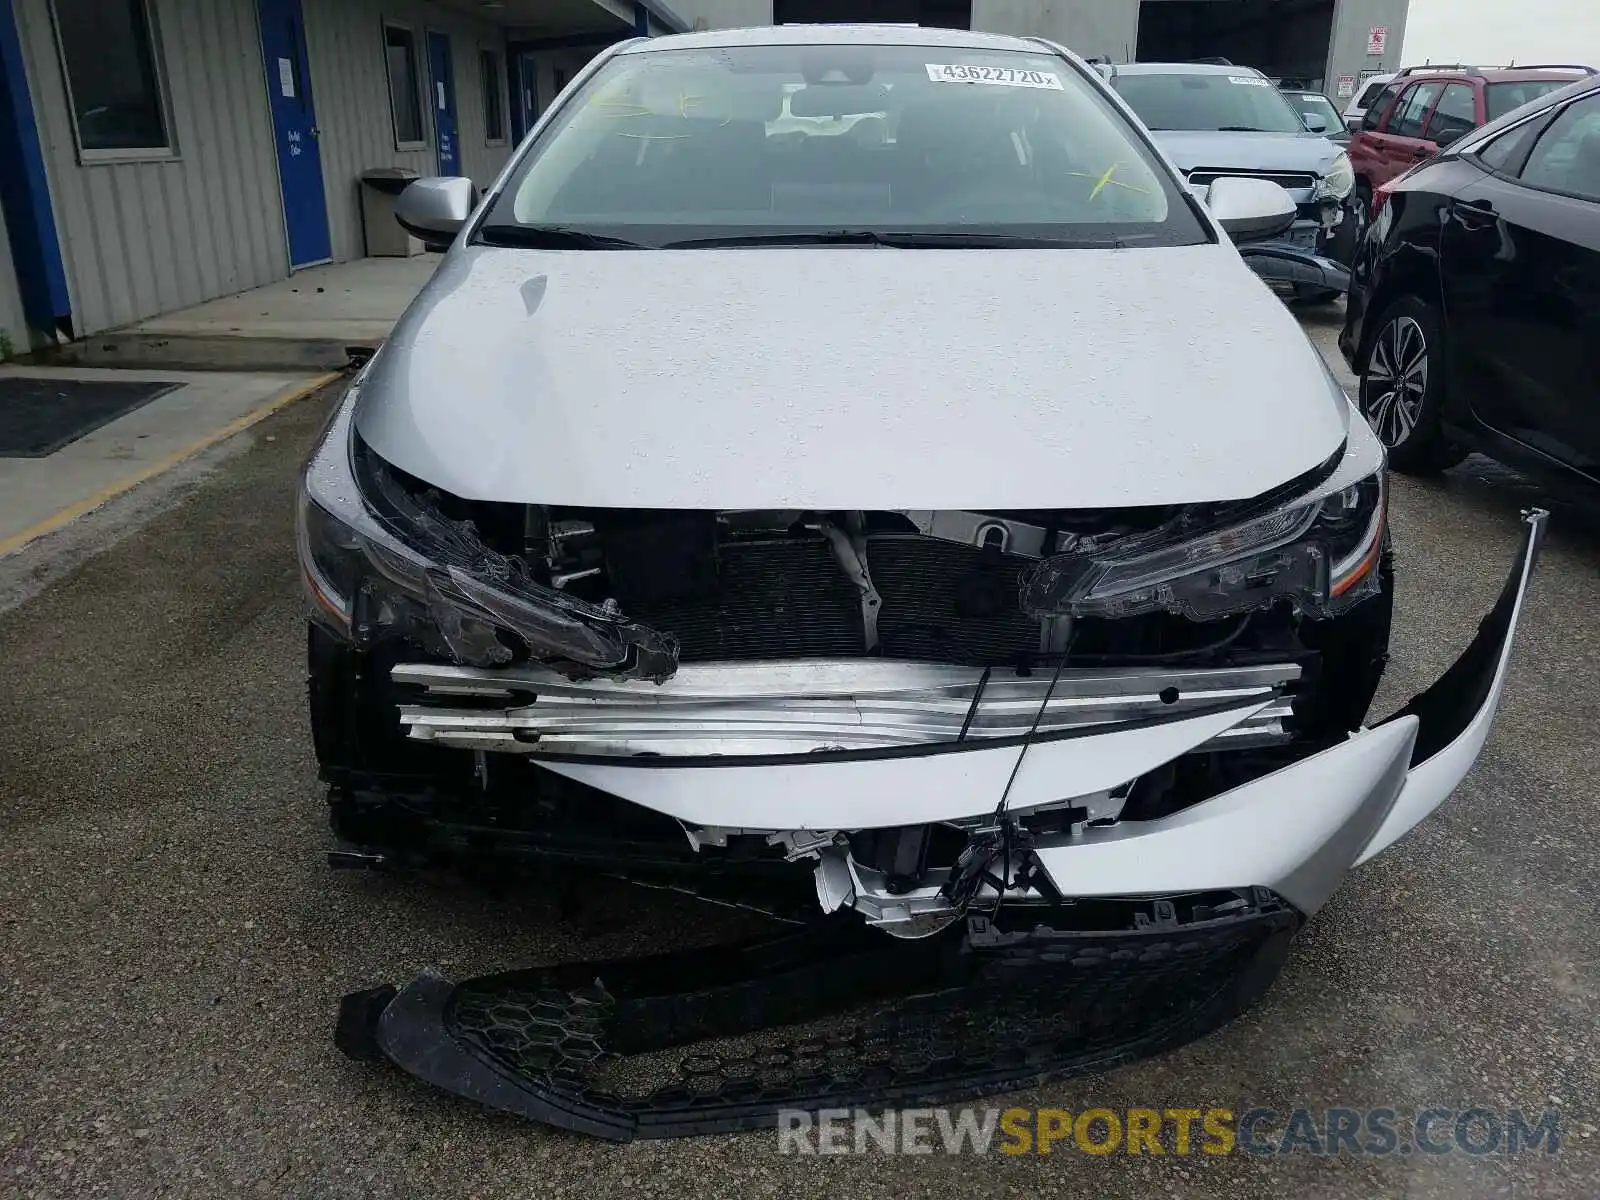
173,946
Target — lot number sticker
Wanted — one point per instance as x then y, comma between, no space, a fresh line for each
1248,81
1004,76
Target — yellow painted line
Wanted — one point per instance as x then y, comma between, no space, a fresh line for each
110,492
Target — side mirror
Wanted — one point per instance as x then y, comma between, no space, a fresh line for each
435,209
1248,210
1445,136
1316,122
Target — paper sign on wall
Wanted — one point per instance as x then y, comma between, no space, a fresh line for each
440,87
1347,86
1377,39
286,77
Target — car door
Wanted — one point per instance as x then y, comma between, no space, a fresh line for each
1454,116
1404,145
1367,147
1520,259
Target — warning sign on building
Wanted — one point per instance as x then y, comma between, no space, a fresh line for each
1377,39
1347,86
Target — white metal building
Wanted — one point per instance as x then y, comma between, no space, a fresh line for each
158,153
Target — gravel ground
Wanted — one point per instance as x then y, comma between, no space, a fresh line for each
172,947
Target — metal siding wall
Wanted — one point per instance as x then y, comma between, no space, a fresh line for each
349,81
1099,28
12,323
140,238
723,14
1352,19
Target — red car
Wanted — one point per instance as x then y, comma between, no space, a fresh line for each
1424,110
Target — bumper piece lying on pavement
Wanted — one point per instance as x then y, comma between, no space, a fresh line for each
1077,977
1287,266
829,1017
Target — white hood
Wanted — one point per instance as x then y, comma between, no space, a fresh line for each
850,378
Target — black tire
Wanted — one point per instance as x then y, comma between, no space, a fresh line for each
1402,388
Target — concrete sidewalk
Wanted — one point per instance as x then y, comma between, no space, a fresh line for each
40,496
313,320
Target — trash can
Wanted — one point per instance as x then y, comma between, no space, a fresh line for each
380,188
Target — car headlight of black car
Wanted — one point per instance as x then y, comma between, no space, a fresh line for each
1318,550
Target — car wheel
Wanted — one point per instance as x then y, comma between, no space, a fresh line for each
1402,389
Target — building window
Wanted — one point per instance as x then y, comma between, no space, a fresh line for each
494,98
108,49
405,86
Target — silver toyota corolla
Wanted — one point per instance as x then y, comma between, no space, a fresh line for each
845,472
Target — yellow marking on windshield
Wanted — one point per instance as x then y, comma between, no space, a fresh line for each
620,108
1104,179
686,102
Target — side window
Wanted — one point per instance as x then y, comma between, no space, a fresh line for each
1413,108
405,86
1455,115
1379,106
1506,152
494,92
1566,157
1369,95
109,50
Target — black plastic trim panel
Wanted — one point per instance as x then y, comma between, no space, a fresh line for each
836,1015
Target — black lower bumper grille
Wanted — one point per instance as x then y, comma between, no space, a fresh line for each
942,602
722,1039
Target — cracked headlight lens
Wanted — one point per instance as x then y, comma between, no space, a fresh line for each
379,557
1339,180
1318,551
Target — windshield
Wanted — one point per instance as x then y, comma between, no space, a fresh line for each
851,142
1208,102
1315,104
1501,98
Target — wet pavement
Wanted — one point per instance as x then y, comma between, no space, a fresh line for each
173,947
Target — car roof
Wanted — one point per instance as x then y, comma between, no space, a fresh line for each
1500,74
835,35
1151,68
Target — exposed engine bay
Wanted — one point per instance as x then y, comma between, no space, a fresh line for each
532,650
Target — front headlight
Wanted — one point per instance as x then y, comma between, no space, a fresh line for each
1318,551
379,561
1339,180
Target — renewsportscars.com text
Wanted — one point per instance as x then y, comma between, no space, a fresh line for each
1176,1131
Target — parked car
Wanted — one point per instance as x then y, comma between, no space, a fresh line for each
1423,110
946,537
1318,114
1474,314
1218,121
1371,88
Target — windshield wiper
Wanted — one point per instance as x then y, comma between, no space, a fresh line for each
904,239
1248,129
552,237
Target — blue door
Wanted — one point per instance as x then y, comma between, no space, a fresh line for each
444,103
294,122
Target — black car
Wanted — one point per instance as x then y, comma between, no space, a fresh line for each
1474,313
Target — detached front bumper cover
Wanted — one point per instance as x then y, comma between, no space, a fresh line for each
1144,949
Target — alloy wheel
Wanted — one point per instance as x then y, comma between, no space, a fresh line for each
1397,380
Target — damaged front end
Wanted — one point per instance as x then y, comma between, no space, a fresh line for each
1110,759
913,706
